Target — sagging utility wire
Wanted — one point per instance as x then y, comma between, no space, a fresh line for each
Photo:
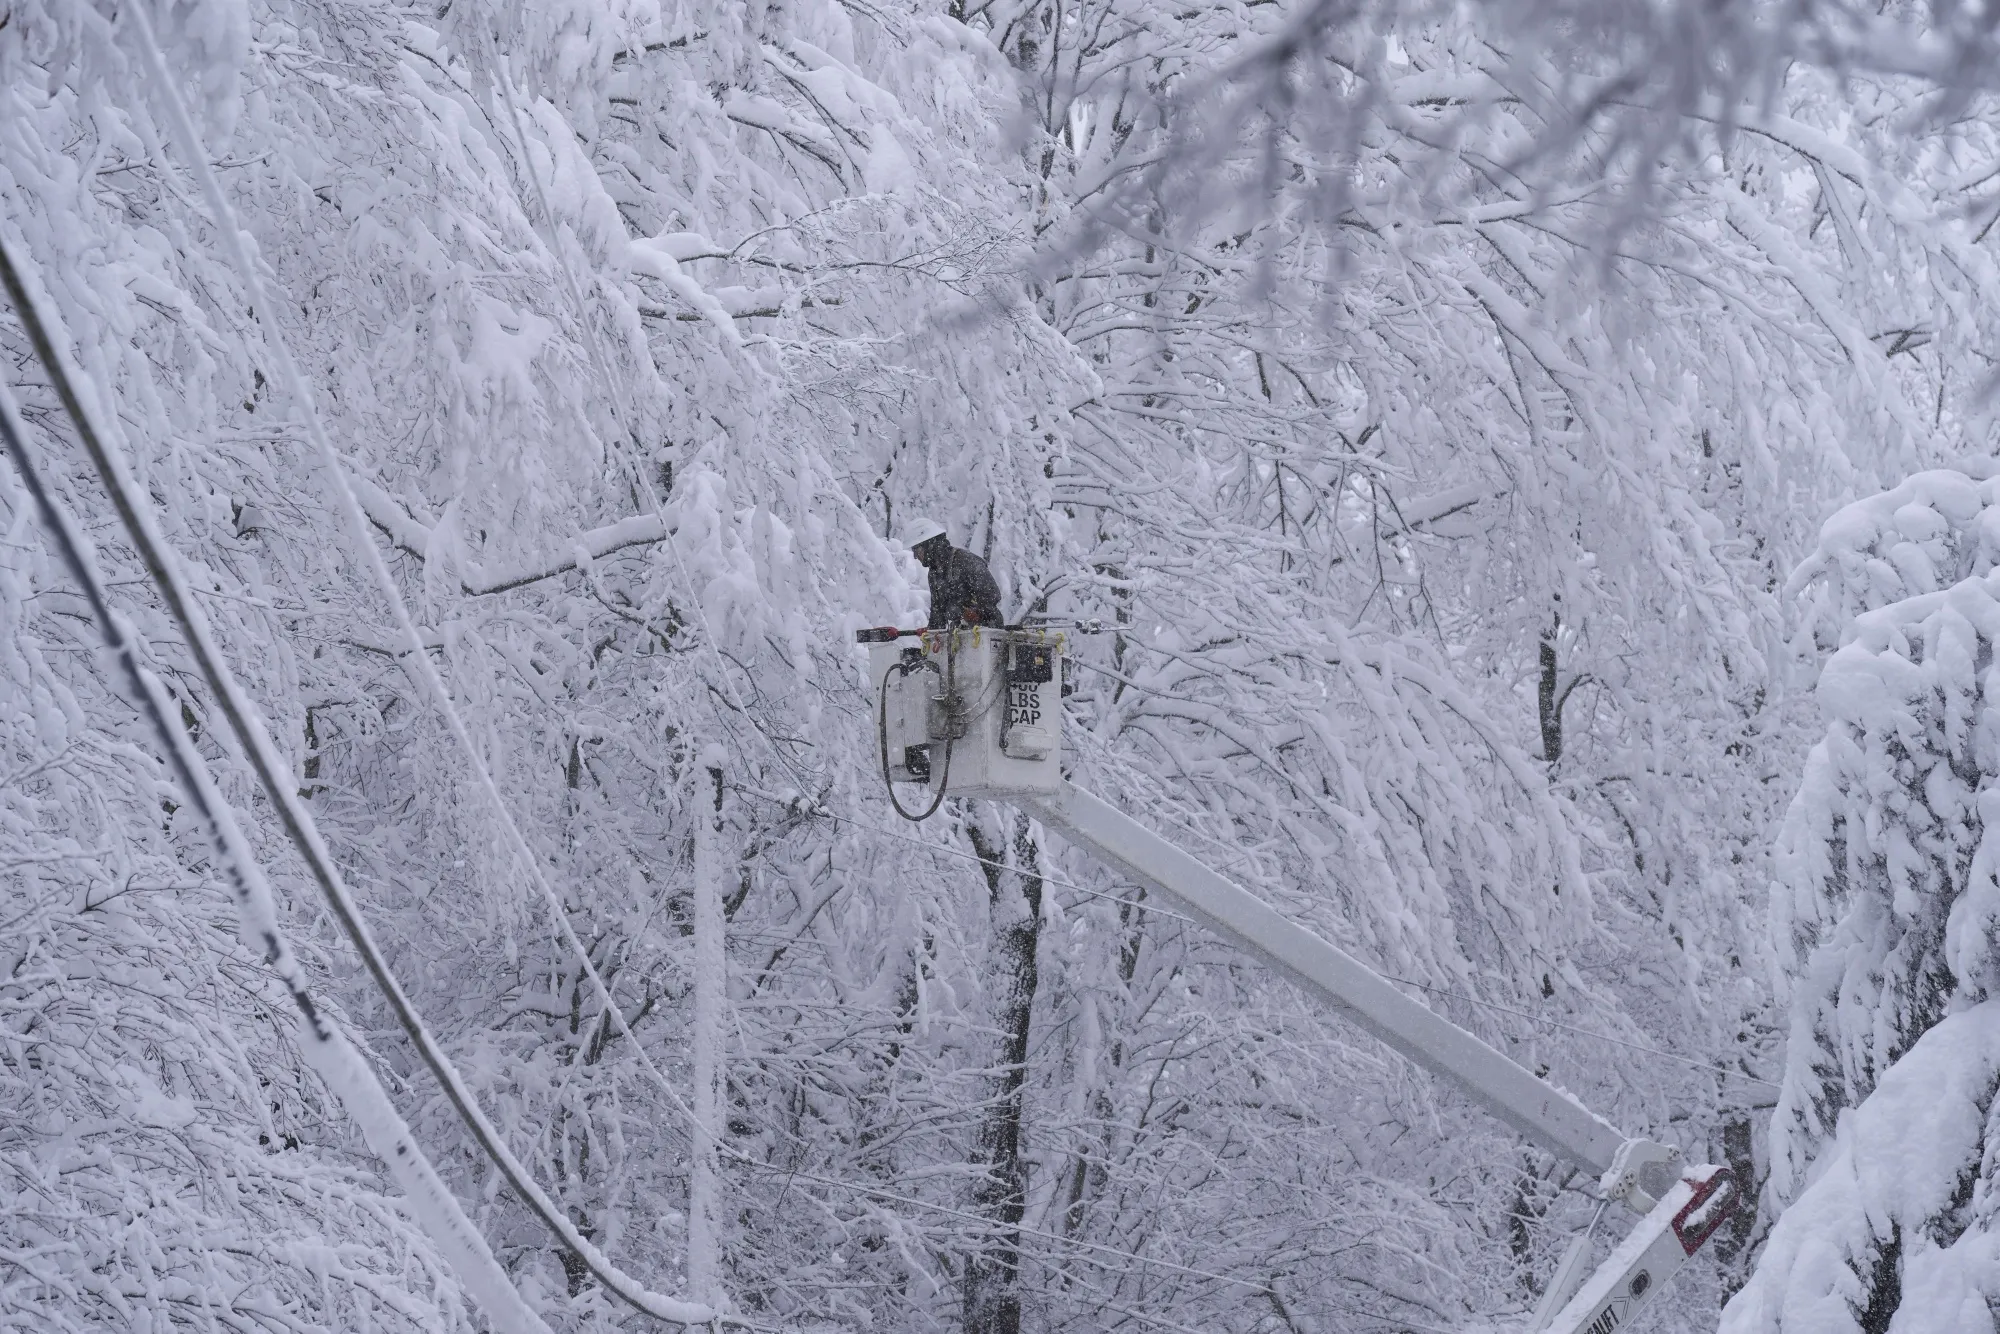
343,495
271,774
324,1045
230,236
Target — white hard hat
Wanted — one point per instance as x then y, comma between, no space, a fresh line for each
916,532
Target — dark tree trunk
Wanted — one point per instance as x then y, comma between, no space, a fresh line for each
1549,696
1735,1246
992,1295
1885,1287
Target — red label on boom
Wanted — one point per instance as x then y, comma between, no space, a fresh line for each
1714,1201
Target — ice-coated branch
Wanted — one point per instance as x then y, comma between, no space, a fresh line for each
416,538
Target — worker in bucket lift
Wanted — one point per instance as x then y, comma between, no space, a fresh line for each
962,588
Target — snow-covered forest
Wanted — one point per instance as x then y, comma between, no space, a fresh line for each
1533,466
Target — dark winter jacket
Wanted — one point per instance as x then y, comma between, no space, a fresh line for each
963,592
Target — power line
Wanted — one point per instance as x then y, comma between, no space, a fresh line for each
465,1249
614,1280
298,823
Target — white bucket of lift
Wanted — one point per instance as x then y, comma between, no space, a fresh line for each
988,699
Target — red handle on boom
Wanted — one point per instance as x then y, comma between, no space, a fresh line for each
882,634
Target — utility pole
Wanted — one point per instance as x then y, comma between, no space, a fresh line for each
702,1249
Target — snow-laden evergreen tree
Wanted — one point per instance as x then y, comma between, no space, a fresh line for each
1884,909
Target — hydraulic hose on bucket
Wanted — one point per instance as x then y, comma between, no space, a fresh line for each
900,669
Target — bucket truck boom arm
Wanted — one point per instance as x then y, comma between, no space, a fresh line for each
1675,1225
1001,713
1542,1113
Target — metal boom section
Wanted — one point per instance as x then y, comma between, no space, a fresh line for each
1542,1113
1690,1207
